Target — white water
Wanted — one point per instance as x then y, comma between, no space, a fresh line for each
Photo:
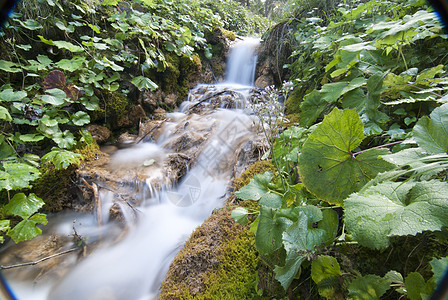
242,62
134,268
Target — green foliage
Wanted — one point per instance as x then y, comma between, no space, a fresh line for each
326,273
24,207
368,287
395,209
327,164
383,63
431,133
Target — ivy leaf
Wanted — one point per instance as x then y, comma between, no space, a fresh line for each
62,158
4,114
368,287
9,66
31,24
396,209
327,165
71,65
9,95
432,133
80,118
23,206
56,97
68,46
326,273
258,190
239,214
26,229
17,176
142,83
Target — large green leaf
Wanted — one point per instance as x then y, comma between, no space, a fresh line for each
328,167
369,287
439,268
17,176
269,231
258,190
432,133
56,97
68,46
27,229
396,209
312,106
302,237
23,206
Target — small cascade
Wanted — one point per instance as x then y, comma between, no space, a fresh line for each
177,180
242,62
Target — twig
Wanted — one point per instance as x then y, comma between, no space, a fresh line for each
97,200
39,260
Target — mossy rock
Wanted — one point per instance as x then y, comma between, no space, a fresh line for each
219,260
230,35
113,107
292,105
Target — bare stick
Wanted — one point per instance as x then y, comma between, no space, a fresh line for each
38,261
97,200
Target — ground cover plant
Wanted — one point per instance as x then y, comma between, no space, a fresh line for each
357,207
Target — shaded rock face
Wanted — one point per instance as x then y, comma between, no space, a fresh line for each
273,54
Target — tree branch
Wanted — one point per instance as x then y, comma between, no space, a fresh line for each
39,260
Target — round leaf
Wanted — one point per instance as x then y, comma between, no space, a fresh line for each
327,165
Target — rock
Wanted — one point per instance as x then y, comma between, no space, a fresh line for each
150,99
127,138
264,81
99,133
170,99
136,114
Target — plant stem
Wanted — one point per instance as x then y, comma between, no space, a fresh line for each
377,147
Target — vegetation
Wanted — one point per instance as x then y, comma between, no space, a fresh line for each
363,175
67,64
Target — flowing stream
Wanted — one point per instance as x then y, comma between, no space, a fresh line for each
132,260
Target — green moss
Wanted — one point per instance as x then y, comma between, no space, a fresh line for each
113,107
236,273
228,34
293,103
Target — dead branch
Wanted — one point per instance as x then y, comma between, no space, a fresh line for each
32,263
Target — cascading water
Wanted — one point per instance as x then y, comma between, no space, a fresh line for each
134,267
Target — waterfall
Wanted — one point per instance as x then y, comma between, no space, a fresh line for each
134,267
242,62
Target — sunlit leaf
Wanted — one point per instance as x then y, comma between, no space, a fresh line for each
27,229
4,114
80,118
432,133
71,65
396,209
142,83
327,165
23,206
61,158
9,66
16,176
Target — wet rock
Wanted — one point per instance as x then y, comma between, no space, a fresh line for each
136,114
159,114
151,99
170,99
149,131
127,138
264,81
99,133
